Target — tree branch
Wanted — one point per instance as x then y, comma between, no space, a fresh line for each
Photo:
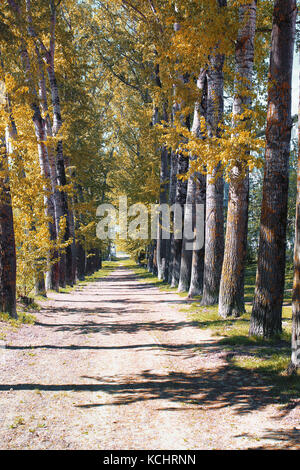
128,4
31,30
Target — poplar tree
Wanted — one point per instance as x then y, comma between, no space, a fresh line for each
266,318
231,300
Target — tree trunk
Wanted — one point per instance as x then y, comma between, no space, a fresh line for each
186,251
180,198
295,357
154,258
214,226
266,319
43,131
67,261
197,268
190,208
88,264
231,300
172,196
180,191
7,245
80,249
52,279
39,123
40,287
161,230
151,258
56,274
41,134
80,261
71,249
214,238
57,171
161,244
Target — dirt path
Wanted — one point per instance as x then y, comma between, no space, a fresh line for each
114,366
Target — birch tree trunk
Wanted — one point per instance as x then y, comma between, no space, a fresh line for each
40,288
186,252
197,268
214,225
161,247
66,272
172,195
180,199
180,194
49,170
266,319
41,131
41,135
68,259
231,300
190,206
295,356
57,274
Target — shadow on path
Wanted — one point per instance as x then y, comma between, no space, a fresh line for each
225,386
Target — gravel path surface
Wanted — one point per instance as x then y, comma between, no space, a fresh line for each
118,365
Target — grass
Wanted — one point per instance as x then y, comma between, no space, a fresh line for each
18,421
268,358
30,307
23,318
